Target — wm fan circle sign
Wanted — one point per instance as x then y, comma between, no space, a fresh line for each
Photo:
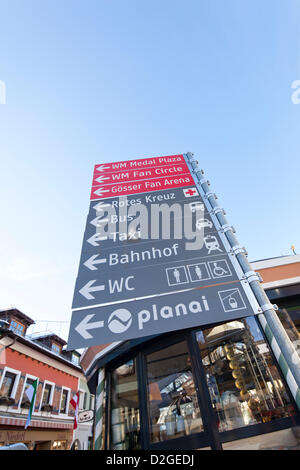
153,259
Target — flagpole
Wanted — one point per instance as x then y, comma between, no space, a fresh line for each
98,443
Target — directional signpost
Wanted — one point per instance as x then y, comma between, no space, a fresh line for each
130,285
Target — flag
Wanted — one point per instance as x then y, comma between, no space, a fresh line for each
31,393
75,403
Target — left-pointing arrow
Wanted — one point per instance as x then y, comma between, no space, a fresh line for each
84,325
90,263
96,238
100,191
102,178
102,168
97,221
101,206
87,289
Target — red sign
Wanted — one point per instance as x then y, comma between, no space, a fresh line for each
136,164
140,174
124,189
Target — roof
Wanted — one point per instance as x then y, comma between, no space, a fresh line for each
45,334
18,314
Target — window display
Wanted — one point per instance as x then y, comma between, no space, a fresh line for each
244,383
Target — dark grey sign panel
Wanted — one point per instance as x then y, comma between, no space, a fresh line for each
96,226
157,315
112,272
156,277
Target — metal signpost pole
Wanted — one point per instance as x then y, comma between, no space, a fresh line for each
279,341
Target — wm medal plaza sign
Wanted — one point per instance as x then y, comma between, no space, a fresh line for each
152,259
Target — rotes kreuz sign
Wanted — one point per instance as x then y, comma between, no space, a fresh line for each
137,273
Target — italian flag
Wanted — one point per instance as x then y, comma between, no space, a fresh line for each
31,393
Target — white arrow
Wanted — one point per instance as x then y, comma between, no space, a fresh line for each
102,168
84,325
97,221
100,191
102,178
87,289
101,206
96,238
90,263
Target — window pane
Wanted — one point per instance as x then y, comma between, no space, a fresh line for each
47,394
17,328
125,416
64,400
7,384
289,319
55,348
243,380
173,405
25,400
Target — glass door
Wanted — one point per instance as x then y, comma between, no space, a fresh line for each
175,418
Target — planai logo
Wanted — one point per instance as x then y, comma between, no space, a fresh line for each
119,321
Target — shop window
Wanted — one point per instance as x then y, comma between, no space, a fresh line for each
125,416
244,383
172,399
58,445
290,319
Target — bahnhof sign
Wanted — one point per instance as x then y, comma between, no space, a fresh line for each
175,335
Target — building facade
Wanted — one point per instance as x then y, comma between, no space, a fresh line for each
213,387
23,359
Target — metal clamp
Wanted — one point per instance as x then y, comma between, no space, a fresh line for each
236,249
217,210
202,180
252,276
224,228
267,307
209,194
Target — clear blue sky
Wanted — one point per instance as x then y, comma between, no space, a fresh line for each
98,81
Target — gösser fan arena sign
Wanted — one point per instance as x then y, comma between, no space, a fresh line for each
139,272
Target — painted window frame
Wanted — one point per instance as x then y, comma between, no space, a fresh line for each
82,398
74,356
68,401
55,348
16,329
16,382
25,410
92,401
47,382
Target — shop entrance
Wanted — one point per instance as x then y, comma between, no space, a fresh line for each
211,388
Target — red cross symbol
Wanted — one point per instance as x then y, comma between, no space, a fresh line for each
190,192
